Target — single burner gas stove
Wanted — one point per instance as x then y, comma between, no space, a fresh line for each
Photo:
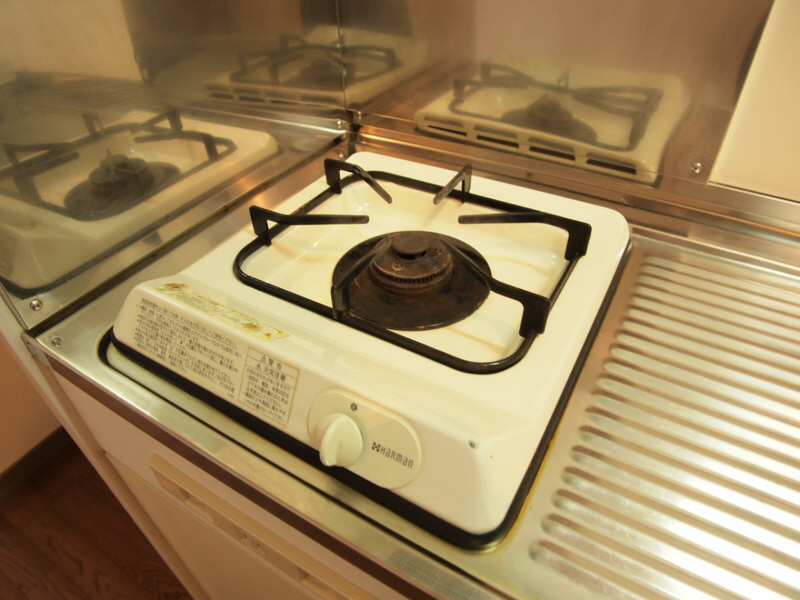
411,330
69,205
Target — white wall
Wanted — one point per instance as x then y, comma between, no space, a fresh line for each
761,147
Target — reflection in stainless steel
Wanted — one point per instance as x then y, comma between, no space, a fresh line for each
698,61
610,121
318,70
49,116
691,52
42,215
547,114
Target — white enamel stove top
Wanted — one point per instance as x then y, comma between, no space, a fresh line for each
455,445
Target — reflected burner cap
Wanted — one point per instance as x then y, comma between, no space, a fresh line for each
118,184
547,115
120,175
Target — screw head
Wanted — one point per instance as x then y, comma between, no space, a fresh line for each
56,342
697,168
36,304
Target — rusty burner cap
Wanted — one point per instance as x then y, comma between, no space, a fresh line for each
413,282
412,262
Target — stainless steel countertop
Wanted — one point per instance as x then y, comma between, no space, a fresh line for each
673,474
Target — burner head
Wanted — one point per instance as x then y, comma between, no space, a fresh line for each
547,114
412,281
413,262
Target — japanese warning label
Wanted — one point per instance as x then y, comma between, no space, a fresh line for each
209,357
268,386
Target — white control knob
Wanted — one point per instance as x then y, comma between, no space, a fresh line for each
341,442
369,440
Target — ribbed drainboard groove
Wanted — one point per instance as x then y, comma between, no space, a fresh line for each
684,474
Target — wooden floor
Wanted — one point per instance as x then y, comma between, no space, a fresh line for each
64,535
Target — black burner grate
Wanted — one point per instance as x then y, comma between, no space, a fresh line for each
535,307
